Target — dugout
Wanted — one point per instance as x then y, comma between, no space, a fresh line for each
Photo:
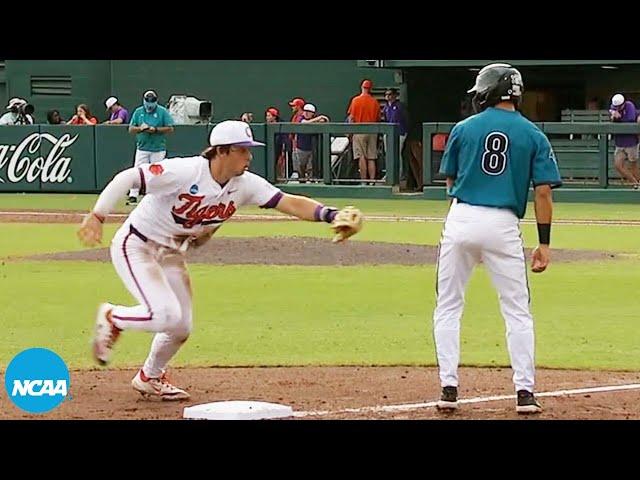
434,90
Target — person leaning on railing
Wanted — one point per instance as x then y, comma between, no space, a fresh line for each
624,111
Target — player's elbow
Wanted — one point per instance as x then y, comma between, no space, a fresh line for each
543,192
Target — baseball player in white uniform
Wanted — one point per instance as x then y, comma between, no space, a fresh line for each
186,201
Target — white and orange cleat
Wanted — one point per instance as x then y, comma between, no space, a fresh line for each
106,334
159,388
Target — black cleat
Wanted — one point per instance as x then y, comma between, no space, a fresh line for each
527,403
449,399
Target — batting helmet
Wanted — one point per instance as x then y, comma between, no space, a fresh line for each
495,83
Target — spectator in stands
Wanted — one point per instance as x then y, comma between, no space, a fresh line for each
247,117
17,114
303,150
296,109
150,123
364,108
118,115
283,142
83,116
394,111
624,111
296,115
54,118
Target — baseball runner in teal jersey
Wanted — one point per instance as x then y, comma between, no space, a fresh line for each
491,160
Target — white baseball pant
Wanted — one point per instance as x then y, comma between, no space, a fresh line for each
158,279
474,234
146,157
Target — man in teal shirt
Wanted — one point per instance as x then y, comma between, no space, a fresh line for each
150,122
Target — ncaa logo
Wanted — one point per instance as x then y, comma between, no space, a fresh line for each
194,189
37,380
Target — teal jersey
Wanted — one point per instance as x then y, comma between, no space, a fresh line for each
495,156
151,142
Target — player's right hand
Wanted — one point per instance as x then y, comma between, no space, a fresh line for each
346,223
90,232
540,258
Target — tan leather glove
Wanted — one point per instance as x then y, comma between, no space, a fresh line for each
346,223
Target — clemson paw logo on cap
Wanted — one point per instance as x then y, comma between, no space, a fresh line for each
156,169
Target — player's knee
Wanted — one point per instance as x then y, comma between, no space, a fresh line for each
169,315
520,323
181,332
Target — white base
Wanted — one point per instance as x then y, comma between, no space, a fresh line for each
237,410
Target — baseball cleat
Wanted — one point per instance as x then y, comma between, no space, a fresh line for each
527,403
157,388
449,399
105,335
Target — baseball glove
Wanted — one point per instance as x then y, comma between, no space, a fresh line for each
346,223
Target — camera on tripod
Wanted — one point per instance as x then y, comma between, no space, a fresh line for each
22,108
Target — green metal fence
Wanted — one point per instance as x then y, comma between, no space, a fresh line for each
48,158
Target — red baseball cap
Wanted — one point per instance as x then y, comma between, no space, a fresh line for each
273,111
367,84
297,102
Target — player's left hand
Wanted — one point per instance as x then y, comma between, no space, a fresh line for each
90,232
346,223
540,258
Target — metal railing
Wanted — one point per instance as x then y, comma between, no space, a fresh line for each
325,131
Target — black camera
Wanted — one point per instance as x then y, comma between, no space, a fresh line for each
26,109
22,109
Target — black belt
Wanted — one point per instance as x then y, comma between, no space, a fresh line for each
460,201
137,233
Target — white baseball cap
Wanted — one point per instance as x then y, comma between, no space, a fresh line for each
309,107
15,102
110,102
617,100
233,132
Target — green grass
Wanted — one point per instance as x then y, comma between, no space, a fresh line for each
29,239
82,202
52,201
585,312
259,315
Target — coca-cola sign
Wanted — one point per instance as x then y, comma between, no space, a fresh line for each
19,162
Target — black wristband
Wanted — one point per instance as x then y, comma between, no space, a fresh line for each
544,233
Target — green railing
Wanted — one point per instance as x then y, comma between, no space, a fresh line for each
84,158
43,158
326,131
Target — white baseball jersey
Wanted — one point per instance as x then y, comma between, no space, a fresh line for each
183,200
